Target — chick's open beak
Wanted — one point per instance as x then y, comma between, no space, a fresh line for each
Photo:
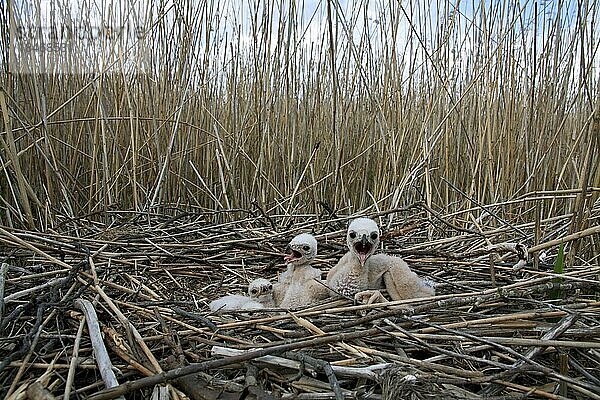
291,255
363,248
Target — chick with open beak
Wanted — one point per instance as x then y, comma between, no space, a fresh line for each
361,274
300,285
362,238
301,250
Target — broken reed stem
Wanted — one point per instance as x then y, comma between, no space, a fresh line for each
102,358
33,345
29,246
74,361
3,271
348,372
594,230
553,333
325,366
28,291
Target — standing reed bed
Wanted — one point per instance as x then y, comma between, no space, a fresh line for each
286,107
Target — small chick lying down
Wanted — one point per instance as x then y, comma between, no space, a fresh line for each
234,302
261,296
261,290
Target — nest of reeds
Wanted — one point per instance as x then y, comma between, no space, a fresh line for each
505,323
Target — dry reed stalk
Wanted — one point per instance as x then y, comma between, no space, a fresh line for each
102,358
398,97
10,148
74,361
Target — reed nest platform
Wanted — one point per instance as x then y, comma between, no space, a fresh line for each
125,304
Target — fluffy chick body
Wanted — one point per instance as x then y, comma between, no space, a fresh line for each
261,296
360,270
380,271
234,302
299,285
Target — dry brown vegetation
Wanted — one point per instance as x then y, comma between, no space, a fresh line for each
492,329
154,183
447,110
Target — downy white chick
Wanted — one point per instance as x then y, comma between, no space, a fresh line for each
261,296
360,273
299,285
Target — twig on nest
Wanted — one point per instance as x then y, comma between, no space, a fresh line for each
555,332
325,366
3,270
102,357
204,321
371,372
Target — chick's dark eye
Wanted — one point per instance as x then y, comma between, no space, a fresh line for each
374,235
352,235
306,247
253,291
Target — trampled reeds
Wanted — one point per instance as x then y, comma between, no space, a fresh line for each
492,331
